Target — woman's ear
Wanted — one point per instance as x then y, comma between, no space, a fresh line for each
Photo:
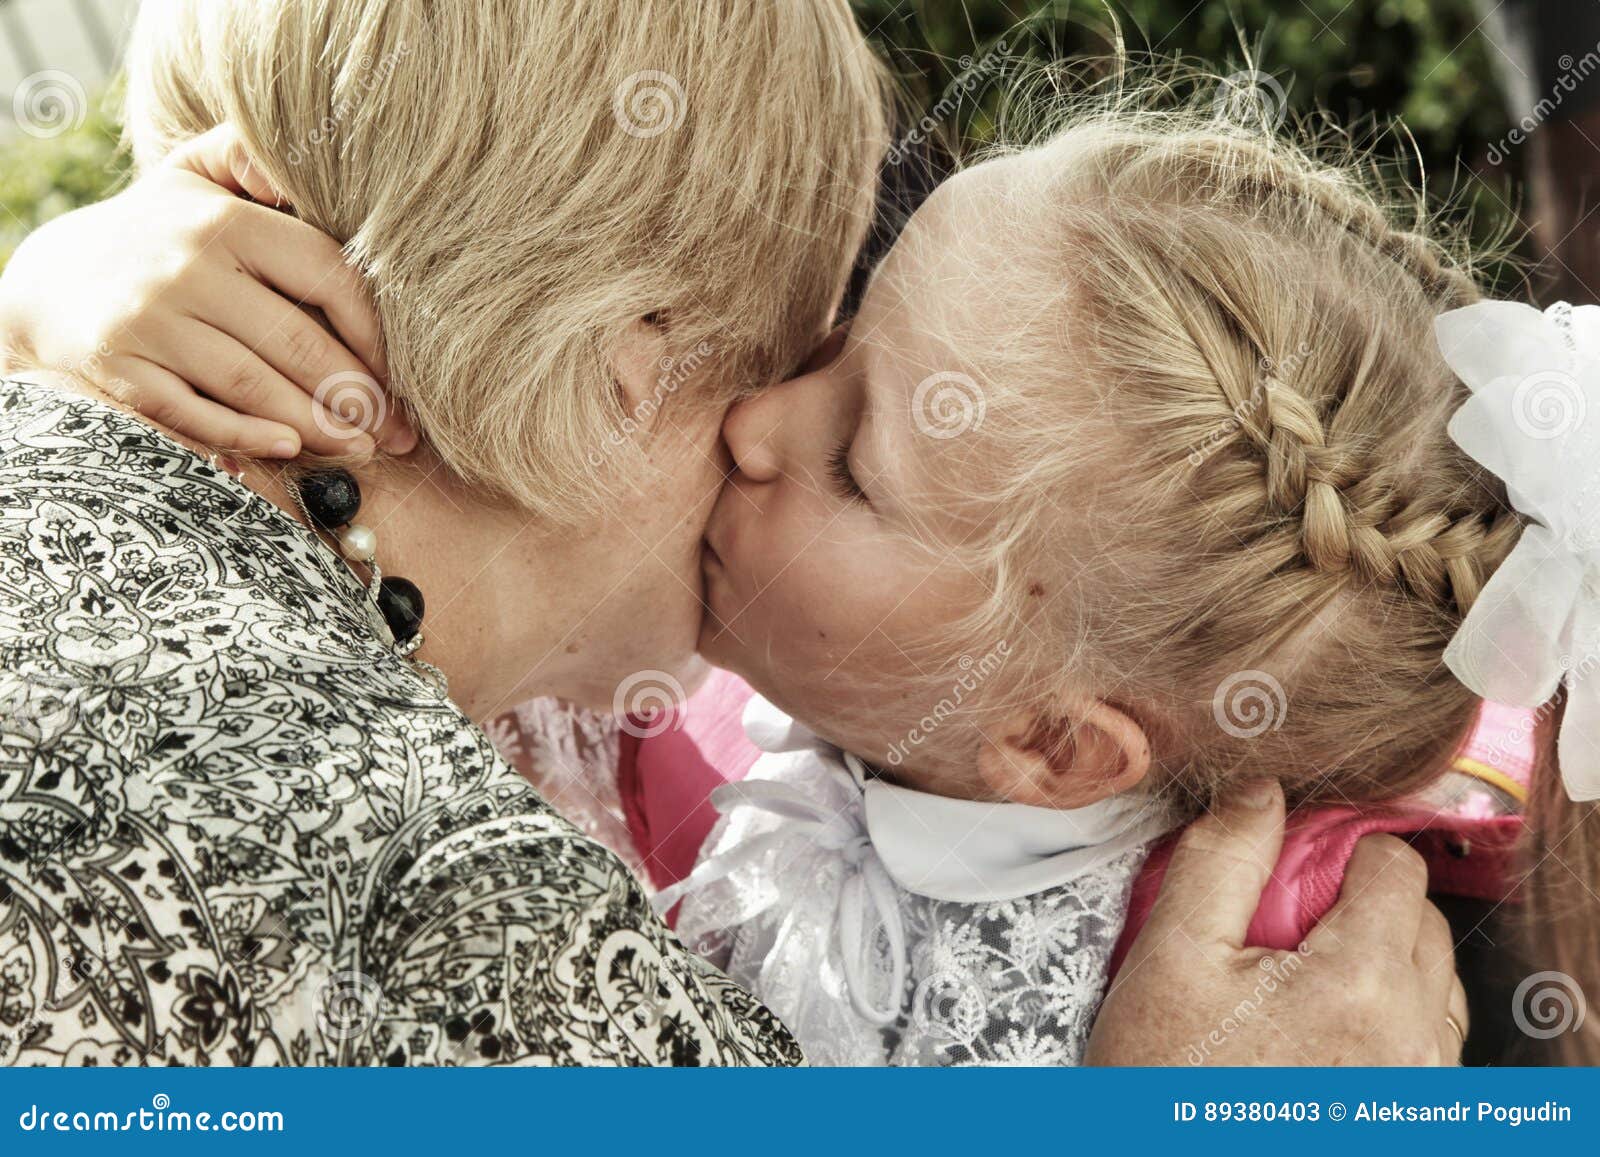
1086,753
636,363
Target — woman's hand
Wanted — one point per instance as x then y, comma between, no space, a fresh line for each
182,299
1371,985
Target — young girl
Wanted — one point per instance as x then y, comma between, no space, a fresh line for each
1134,476
1130,480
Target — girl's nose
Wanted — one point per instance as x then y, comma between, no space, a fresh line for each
751,430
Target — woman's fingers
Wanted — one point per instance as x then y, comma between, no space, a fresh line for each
221,158
1457,1006
1222,861
1435,948
289,340
169,401
226,372
1434,959
1380,905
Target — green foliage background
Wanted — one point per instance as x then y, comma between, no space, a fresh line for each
1416,77
1417,60
41,178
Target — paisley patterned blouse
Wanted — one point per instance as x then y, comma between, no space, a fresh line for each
236,829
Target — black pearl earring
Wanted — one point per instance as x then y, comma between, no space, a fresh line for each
400,602
330,500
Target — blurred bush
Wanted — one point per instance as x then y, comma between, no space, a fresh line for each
1422,60
1367,63
41,178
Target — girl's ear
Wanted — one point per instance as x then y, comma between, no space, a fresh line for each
1089,752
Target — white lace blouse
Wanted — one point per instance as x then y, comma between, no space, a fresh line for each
889,926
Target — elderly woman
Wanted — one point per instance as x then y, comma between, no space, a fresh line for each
245,817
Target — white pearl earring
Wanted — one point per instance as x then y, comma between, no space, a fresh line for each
359,543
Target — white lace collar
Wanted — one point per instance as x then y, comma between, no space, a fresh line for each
889,925
969,851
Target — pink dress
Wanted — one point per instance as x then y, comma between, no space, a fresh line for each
665,783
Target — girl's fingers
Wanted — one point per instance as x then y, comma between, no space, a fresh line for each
309,268
170,402
290,341
220,157
226,372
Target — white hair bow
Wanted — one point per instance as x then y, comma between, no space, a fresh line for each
1534,420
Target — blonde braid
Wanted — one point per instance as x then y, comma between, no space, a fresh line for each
1350,515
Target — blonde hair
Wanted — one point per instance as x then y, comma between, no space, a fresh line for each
520,182
1280,536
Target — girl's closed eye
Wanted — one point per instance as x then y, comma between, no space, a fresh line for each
844,481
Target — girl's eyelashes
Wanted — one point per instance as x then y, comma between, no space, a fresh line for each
844,482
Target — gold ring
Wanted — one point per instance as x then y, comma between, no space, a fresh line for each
1455,1027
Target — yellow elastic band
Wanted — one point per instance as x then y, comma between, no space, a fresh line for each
1492,776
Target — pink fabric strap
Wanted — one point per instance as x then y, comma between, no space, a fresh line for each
1467,855
667,778
1465,858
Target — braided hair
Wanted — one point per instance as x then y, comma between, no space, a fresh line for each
1237,337
1221,413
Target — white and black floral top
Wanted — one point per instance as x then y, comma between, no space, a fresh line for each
236,829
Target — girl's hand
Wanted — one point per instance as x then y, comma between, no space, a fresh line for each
181,299
1372,985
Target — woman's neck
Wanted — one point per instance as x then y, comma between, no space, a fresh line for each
515,608
474,561
461,552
